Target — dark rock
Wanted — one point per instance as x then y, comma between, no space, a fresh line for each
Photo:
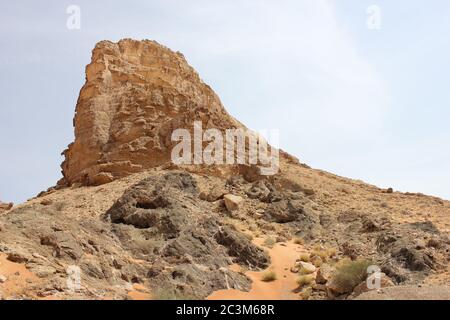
240,247
264,191
286,211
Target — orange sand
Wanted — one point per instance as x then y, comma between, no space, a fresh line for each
18,278
283,257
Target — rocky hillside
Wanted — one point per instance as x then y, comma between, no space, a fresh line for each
133,225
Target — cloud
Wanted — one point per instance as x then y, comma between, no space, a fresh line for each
290,66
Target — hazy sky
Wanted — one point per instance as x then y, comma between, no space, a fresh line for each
359,102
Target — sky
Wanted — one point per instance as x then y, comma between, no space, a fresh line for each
358,88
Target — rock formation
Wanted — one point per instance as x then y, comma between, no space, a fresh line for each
136,93
5,206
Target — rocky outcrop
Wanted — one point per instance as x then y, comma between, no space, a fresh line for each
5,206
136,93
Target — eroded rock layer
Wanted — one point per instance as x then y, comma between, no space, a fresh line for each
136,93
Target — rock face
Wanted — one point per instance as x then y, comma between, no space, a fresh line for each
5,206
136,93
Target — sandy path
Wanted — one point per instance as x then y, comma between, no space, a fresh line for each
283,257
140,292
18,278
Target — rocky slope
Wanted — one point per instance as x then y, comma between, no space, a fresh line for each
133,225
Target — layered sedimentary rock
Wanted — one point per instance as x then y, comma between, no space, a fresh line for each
136,93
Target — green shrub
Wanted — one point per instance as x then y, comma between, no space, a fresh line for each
349,274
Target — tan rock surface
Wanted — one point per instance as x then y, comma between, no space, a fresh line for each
136,93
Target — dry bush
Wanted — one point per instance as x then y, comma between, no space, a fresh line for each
269,242
305,280
350,273
269,276
304,257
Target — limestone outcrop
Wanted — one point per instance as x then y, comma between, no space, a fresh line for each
136,93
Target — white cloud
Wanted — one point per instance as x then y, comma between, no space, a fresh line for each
295,68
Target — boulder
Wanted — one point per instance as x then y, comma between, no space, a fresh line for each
306,267
123,129
324,274
232,202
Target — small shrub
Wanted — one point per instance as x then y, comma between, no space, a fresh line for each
322,254
269,242
269,276
349,273
298,240
304,257
305,280
332,252
317,261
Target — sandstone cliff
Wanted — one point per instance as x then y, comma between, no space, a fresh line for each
136,93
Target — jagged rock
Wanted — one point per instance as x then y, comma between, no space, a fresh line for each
284,211
240,247
136,93
18,256
401,245
5,206
264,191
63,243
214,194
156,202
